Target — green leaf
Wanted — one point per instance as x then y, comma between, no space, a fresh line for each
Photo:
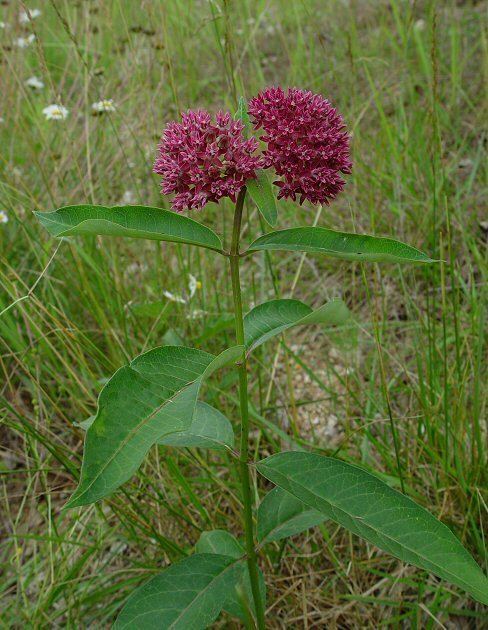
281,514
240,601
221,542
189,594
133,221
262,194
369,508
273,317
156,394
242,115
339,245
209,429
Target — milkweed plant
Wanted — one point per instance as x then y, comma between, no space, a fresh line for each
302,140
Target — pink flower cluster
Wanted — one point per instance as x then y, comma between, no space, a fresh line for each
201,160
307,143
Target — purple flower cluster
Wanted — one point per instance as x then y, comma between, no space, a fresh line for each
201,160
307,143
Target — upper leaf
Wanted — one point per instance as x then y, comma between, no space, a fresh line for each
274,317
189,594
281,514
241,600
134,221
369,508
209,429
242,115
262,194
339,245
156,394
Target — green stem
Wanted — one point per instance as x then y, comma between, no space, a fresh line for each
247,499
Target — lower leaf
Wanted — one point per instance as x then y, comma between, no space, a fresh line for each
369,508
281,514
240,603
189,594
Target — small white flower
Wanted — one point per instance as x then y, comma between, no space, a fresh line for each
105,105
3,25
2,120
35,83
419,25
55,112
26,16
196,314
193,285
174,298
23,42
3,216
128,197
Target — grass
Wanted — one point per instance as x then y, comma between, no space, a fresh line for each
408,78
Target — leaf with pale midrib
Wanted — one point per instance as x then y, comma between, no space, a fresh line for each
356,247
261,192
241,599
156,394
274,317
131,221
209,429
281,514
369,508
188,594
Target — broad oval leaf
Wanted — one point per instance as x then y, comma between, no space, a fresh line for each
262,194
133,221
274,317
209,429
369,508
156,394
281,514
189,594
339,245
240,601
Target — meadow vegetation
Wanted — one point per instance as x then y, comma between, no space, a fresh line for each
408,78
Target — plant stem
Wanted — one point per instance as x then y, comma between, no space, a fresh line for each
244,442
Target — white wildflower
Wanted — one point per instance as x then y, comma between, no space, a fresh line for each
26,16
105,105
35,83
196,314
3,216
55,112
419,25
128,197
3,25
23,42
193,285
174,298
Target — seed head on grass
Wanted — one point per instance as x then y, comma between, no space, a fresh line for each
307,143
202,160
